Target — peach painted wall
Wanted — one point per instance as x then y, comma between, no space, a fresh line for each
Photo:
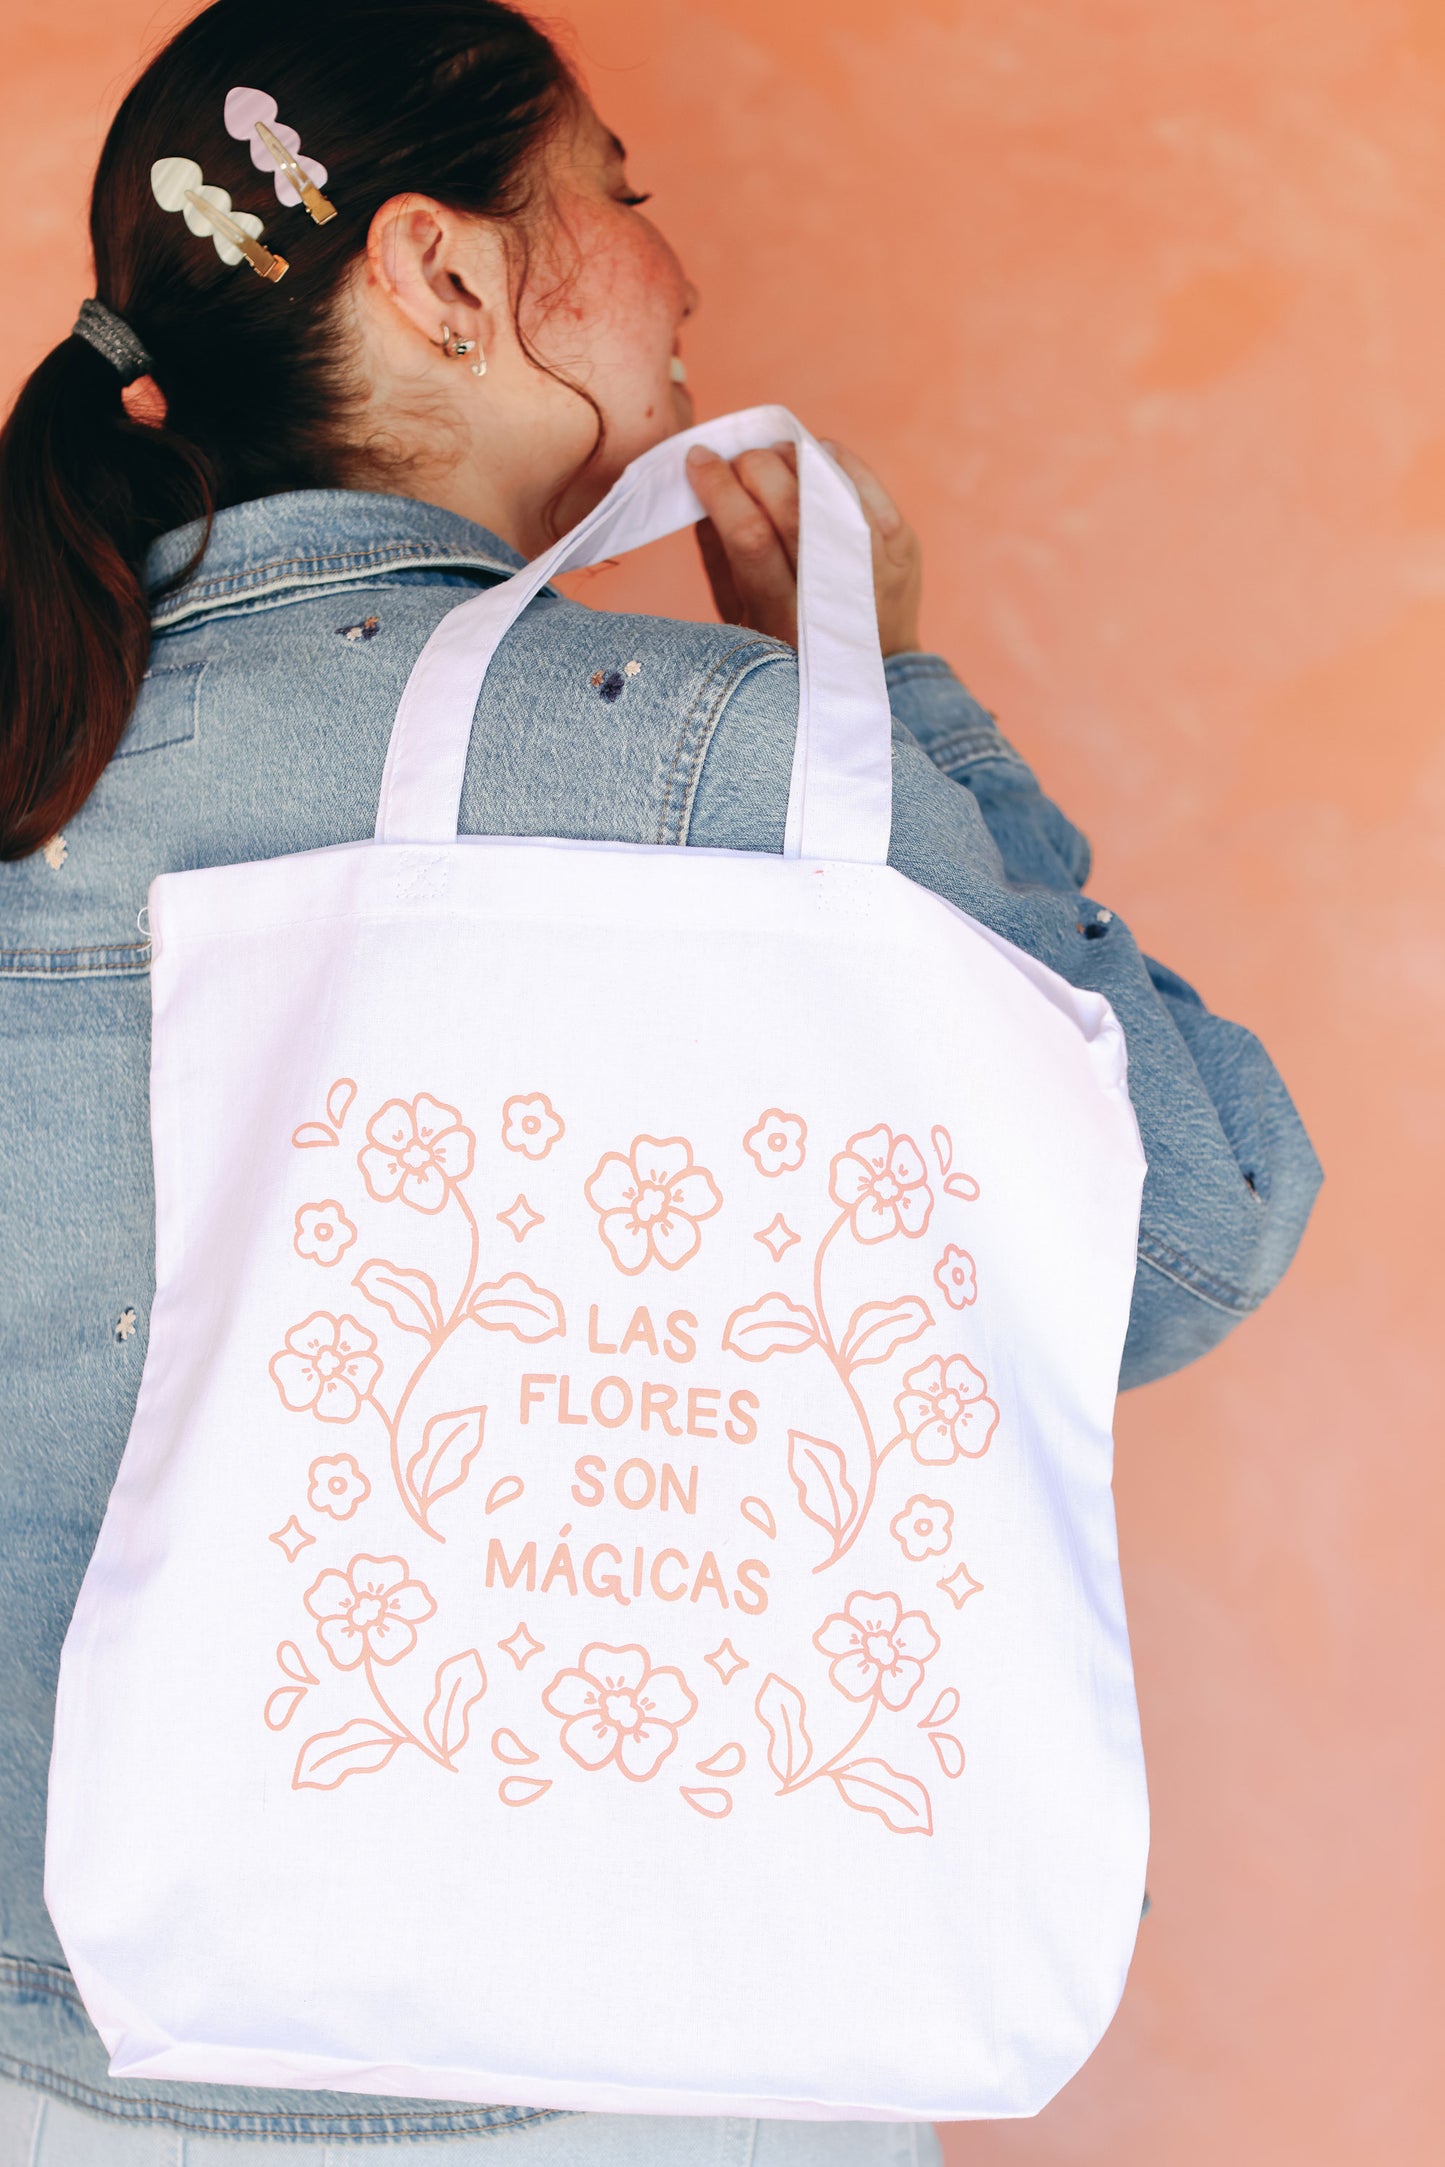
1140,307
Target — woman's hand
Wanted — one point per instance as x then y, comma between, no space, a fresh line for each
749,542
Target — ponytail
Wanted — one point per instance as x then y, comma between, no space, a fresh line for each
84,491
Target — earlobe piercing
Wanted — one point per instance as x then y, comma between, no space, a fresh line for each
457,349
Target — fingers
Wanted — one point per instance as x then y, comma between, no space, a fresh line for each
751,506
882,512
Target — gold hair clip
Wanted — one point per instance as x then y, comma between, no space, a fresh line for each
177,185
250,117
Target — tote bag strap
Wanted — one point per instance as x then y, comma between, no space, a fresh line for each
840,800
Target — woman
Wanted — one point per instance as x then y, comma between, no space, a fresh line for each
232,509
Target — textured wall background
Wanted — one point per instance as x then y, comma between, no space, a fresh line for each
1139,307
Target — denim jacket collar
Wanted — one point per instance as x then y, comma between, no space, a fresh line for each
273,550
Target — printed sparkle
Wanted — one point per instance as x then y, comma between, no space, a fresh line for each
292,1538
521,1646
726,1661
959,1585
778,1237
520,1217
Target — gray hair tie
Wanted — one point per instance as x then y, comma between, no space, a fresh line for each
111,336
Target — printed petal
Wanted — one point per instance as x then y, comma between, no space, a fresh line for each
352,1338
383,1173
661,1160
961,1377
849,1179
854,1675
589,1740
296,1380
392,1128
872,1221
696,1193
424,1188
913,1411
453,1153
361,1372
626,1239
313,1334
571,1693
905,1163
975,1426
612,1185
927,1378
897,1685
391,1638
343,1643
411,1600
837,1636
874,1148
675,1238
935,1444
330,1596
433,1119
336,1401
914,1208
616,1670
914,1637
667,1696
873,1613
643,1750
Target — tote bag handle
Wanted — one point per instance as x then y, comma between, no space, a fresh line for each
840,799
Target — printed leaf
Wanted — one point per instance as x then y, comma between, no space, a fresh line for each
772,1326
522,1790
900,1801
820,1474
517,1304
409,1298
949,1751
282,1705
504,1491
729,1760
962,1185
943,1708
460,1684
879,1329
359,1748
312,1134
339,1098
781,1710
761,1515
717,1805
294,1663
943,1145
507,1746
449,1445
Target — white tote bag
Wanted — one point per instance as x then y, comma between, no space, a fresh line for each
611,1597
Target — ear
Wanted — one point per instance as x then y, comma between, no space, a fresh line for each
437,267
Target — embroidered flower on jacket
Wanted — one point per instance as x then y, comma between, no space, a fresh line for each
882,1183
327,1365
531,1124
616,1707
777,1142
878,1648
323,1232
372,1610
944,1411
651,1203
953,1275
416,1152
337,1486
924,1528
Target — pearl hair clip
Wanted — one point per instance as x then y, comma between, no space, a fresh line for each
250,116
177,185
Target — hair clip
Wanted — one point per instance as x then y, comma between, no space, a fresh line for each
250,116
177,185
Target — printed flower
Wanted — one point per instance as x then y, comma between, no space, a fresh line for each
651,1203
777,1142
531,1125
337,1486
323,1231
327,1366
924,1528
954,1277
372,1609
878,1649
882,1183
618,1708
415,1152
944,1411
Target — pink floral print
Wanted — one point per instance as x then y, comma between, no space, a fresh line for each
651,1203
337,1486
776,1143
944,1411
924,1528
617,1708
323,1232
531,1124
882,1184
327,1366
953,1275
369,1612
878,1648
415,1151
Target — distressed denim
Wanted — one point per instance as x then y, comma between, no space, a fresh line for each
261,728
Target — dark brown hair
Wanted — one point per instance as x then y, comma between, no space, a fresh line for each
454,99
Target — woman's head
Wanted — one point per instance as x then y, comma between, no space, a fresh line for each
475,188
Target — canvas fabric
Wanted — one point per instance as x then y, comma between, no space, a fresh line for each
611,1597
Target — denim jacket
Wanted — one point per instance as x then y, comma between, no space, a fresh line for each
261,728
